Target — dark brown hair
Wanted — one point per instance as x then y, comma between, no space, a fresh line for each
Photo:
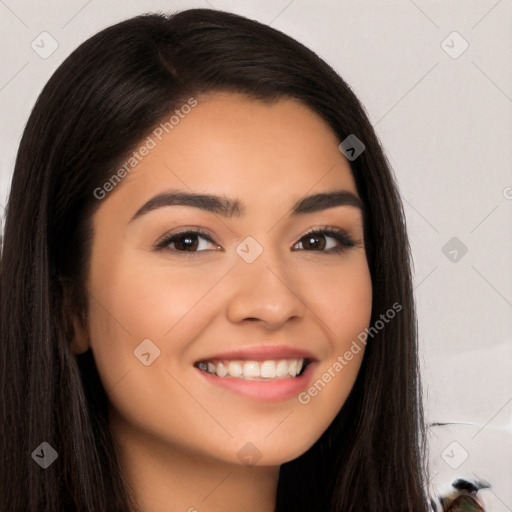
96,108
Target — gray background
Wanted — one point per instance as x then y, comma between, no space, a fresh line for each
444,117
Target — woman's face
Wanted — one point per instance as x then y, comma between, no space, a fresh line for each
251,292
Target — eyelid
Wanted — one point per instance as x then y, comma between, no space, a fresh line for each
165,239
323,229
340,234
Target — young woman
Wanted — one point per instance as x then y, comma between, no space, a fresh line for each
206,296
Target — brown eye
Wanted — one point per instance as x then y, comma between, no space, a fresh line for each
187,241
314,242
325,240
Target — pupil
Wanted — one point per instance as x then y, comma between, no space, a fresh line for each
313,242
188,242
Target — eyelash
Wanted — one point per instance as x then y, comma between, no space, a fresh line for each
338,234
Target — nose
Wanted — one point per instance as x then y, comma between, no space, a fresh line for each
266,294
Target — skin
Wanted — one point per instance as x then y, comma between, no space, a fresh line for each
178,435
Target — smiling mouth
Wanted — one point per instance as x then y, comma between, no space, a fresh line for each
267,370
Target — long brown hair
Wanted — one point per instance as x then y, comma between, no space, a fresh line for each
99,104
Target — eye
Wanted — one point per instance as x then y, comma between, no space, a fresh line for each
187,241
328,239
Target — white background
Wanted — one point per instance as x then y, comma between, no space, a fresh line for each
445,122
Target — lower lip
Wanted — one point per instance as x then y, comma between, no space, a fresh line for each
265,391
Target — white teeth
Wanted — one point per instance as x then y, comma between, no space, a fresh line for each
221,370
251,369
282,369
268,369
254,370
234,369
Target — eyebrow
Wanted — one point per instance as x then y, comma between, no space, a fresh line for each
230,208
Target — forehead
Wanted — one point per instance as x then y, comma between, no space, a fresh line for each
239,146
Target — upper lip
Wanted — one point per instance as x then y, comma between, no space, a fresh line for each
262,353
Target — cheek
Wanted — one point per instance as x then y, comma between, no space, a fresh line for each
131,301
147,299
343,301
351,307
342,298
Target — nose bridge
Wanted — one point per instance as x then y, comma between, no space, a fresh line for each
264,288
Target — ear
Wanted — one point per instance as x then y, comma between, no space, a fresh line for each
73,321
79,341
